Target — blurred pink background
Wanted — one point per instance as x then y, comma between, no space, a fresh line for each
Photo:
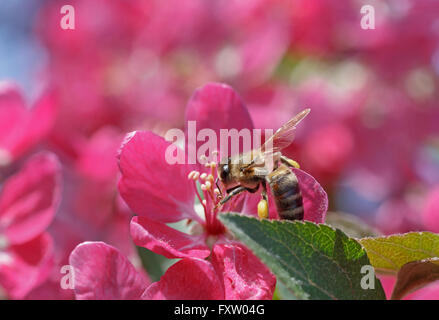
371,139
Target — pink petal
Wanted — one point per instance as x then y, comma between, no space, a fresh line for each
244,276
216,106
13,115
51,290
388,282
29,199
261,51
41,120
430,292
25,266
188,279
22,127
101,272
151,186
315,199
97,158
167,241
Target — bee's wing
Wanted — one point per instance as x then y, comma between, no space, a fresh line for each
281,139
284,136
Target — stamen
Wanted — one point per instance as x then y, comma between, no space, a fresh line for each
193,175
209,194
212,169
194,185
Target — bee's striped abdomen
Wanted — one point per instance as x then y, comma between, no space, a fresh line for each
285,189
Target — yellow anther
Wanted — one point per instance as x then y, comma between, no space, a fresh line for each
208,185
210,177
263,209
203,176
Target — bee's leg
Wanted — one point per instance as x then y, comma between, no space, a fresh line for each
289,162
263,204
232,193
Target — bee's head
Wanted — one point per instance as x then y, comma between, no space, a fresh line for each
224,171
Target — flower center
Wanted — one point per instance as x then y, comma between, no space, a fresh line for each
210,196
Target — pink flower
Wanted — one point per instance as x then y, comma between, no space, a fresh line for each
412,212
28,202
102,272
317,25
161,193
101,79
20,127
97,169
88,215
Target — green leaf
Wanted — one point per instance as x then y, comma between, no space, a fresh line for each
388,254
313,261
412,257
283,293
154,264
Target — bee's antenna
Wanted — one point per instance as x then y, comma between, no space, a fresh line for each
216,183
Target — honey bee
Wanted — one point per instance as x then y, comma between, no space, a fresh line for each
247,171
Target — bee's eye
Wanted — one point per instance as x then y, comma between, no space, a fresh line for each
224,172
